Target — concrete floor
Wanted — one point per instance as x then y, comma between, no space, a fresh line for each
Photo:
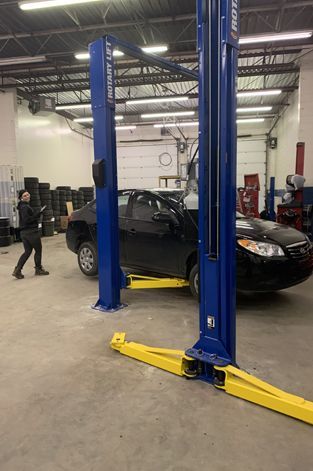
68,402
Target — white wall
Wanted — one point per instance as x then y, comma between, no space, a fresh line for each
282,160
47,148
8,122
306,114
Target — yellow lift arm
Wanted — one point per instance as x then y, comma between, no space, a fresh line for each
232,380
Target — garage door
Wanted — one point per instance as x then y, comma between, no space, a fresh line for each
140,165
251,158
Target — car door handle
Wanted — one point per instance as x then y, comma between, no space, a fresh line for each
132,232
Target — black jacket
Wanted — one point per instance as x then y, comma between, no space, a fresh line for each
29,218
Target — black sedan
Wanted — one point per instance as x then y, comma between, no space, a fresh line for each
158,235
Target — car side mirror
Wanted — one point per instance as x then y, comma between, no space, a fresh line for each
165,217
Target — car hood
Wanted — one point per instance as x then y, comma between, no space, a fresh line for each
258,229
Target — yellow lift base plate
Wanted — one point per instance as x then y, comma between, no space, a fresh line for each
149,282
235,381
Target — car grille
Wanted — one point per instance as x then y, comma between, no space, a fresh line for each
300,251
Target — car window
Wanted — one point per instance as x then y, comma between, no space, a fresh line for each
122,204
144,207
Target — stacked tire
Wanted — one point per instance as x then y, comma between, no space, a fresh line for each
5,234
74,199
88,193
80,199
55,198
62,198
32,186
47,218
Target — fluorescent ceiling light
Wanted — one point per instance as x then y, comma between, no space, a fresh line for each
22,60
174,125
89,119
154,49
122,128
168,115
250,120
254,109
117,53
252,93
271,37
38,4
75,106
86,55
142,101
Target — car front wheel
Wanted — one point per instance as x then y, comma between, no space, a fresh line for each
88,258
194,281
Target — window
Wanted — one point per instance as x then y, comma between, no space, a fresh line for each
144,207
122,204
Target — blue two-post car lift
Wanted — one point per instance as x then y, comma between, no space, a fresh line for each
212,358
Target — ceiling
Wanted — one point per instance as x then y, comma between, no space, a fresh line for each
59,33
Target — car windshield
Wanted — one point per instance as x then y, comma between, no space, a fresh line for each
174,196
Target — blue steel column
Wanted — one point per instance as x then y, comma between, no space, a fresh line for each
272,199
218,32
103,110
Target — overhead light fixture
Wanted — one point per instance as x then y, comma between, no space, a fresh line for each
252,93
40,4
174,125
273,37
22,60
250,120
117,53
122,128
143,101
254,109
89,119
154,49
168,115
78,106
86,56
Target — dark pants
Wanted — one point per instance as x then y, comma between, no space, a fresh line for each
31,240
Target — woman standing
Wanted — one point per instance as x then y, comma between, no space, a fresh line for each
30,235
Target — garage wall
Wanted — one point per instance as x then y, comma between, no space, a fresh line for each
139,164
8,123
306,116
49,149
283,159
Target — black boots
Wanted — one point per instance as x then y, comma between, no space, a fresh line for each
18,273
41,271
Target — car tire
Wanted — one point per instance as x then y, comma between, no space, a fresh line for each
194,282
88,258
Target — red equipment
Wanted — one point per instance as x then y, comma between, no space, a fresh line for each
248,197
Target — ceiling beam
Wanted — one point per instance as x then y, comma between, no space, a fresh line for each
138,21
69,85
96,26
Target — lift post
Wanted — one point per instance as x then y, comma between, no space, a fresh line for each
212,358
218,35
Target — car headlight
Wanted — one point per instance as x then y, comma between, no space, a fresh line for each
261,248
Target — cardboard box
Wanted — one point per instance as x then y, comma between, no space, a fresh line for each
63,222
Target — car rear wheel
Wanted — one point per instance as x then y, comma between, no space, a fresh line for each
88,258
194,282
